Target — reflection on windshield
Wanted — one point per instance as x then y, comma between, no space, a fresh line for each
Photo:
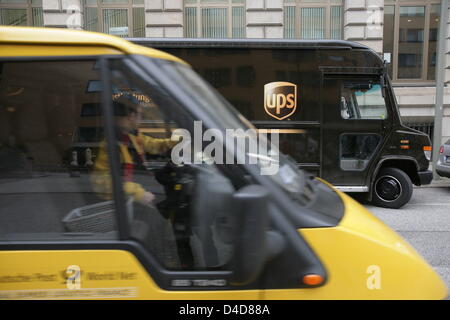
288,176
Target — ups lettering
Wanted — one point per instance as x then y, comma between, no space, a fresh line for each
280,101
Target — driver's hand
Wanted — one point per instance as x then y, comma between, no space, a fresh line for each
147,198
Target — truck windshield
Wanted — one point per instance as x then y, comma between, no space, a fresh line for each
288,176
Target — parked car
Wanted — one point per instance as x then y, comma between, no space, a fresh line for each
443,162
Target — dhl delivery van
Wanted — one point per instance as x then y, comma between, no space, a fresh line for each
136,223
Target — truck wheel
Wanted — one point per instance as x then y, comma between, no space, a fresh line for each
392,188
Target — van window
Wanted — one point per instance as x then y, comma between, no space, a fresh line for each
181,213
241,74
242,78
301,144
362,100
49,141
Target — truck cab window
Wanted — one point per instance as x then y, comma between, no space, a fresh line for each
51,129
362,100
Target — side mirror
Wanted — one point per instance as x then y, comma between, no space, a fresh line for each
253,243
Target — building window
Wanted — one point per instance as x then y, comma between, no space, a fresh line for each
214,18
122,18
410,39
21,13
435,12
308,19
410,42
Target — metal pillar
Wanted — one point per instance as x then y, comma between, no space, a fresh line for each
440,80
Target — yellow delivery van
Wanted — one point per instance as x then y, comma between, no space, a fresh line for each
107,190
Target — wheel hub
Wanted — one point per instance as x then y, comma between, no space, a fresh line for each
388,188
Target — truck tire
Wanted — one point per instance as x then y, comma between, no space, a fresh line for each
392,188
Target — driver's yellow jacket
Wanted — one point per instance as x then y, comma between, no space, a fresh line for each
142,144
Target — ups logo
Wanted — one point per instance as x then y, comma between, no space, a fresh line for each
280,99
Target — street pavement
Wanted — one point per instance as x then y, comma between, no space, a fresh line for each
425,223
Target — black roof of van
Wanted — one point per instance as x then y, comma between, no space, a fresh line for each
248,43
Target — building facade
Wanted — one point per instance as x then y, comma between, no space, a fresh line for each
405,32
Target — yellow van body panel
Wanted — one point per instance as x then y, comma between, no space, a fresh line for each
103,274
19,50
365,259
66,42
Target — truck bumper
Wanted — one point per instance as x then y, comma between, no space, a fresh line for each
425,177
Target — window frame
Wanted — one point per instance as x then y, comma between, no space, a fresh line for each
425,49
29,6
129,6
326,4
218,4
122,228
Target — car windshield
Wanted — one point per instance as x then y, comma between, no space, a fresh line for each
288,176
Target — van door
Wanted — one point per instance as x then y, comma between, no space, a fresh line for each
355,124
78,223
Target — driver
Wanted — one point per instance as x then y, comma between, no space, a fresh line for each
133,147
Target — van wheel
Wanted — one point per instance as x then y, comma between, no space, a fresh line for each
392,188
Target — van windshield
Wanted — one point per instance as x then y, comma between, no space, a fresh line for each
287,175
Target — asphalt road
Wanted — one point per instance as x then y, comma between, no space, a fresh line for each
425,223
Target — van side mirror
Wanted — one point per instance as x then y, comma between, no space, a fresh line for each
253,243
